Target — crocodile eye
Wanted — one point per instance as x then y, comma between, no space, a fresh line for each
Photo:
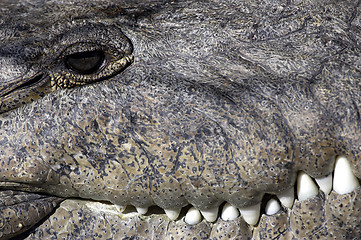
85,62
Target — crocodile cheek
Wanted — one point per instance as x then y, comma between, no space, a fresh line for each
213,158
208,161
312,128
339,94
22,171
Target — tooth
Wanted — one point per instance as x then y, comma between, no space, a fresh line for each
325,184
193,216
210,214
172,214
251,214
142,210
306,188
287,197
344,181
120,208
229,212
272,207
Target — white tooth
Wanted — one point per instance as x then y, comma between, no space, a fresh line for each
229,212
142,210
172,214
210,214
193,216
272,207
325,184
251,214
344,181
306,188
120,208
287,197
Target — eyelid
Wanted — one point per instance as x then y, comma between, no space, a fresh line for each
82,47
115,60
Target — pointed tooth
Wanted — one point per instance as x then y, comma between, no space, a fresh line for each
251,214
141,210
210,214
287,197
229,212
344,181
193,216
306,188
325,184
172,214
120,208
272,207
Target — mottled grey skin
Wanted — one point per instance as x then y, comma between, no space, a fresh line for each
225,101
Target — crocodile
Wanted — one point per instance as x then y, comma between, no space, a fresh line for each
212,119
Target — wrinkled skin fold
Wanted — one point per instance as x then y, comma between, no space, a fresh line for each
179,104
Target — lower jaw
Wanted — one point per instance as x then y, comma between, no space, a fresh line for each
331,216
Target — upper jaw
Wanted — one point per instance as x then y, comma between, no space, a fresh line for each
204,171
113,152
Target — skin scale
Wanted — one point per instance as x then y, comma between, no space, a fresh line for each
224,101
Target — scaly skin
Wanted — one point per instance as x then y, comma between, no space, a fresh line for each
196,102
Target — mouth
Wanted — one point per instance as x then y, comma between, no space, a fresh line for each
312,207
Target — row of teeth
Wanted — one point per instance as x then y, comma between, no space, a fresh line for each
343,181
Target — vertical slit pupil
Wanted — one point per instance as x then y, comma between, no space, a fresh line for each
85,62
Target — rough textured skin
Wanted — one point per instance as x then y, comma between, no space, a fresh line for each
20,211
225,101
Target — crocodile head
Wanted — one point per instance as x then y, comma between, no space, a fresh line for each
196,119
